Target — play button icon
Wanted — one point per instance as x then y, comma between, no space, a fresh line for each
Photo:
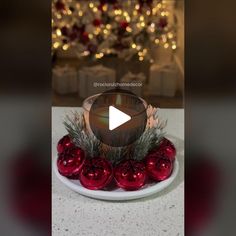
117,118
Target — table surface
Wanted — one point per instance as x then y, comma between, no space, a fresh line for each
159,214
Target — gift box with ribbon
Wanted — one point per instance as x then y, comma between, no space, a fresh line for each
163,80
133,82
64,79
95,79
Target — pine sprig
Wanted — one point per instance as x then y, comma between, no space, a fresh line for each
116,154
148,140
80,136
151,136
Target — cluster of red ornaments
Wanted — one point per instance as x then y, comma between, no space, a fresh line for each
97,173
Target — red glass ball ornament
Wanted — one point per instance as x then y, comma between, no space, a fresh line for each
167,149
130,174
100,7
124,24
163,22
96,173
158,168
70,162
84,37
59,5
64,143
97,22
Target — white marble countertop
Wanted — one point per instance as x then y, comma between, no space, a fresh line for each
160,214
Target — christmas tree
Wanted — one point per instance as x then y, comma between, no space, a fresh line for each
112,27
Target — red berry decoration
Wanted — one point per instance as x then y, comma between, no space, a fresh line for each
69,162
167,149
130,174
158,168
96,173
64,143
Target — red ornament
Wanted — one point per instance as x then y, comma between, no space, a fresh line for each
97,22
69,163
60,5
124,24
158,168
100,7
64,143
96,173
130,174
84,37
167,149
163,22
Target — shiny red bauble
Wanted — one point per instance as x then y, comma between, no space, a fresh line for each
70,162
124,24
59,5
158,167
84,37
64,144
97,22
130,174
96,173
163,22
167,149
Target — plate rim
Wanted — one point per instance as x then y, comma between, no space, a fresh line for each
117,196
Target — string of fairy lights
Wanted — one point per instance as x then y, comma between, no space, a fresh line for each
112,27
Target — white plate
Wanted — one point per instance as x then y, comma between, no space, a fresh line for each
117,194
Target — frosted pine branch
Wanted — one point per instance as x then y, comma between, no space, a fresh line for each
80,136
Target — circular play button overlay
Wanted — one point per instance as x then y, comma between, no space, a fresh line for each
117,117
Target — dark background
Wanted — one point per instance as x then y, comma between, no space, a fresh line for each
210,116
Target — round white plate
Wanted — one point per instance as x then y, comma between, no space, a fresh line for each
117,194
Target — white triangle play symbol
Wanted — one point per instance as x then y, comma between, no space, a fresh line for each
117,118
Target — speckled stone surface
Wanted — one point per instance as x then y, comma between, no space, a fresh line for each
159,214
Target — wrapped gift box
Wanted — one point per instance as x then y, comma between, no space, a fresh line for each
133,82
88,76
64,79
163,80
